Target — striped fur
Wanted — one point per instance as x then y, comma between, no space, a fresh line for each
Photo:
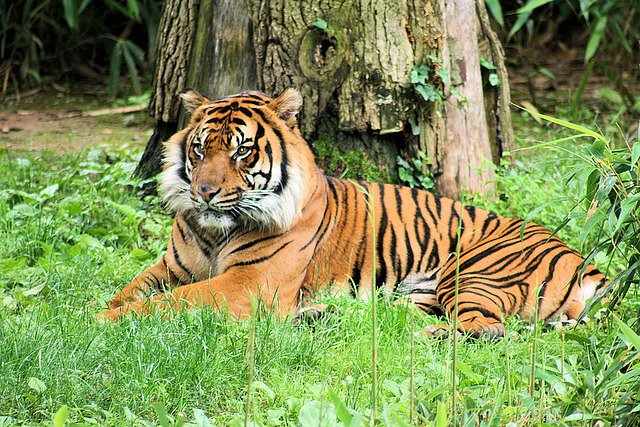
256,218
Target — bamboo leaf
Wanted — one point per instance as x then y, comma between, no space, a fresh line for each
441,414
531,5
621,37
566,124
70,14
628,333
131,66
341,409
522,19
496,11
134,10
595,38
83,6
114,69
627,207
60,417
635,153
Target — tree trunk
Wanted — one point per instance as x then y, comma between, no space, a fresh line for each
353,61
175,39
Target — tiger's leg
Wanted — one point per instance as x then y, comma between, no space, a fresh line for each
478,315
420,290
157,278
236,291
480,310
310,311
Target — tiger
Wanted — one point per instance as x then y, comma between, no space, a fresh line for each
256,220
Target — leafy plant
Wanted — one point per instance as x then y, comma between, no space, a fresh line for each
431,80
350,164
411,172
610,178
609,23
494,80
84,36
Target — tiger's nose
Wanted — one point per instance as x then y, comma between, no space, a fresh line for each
207,192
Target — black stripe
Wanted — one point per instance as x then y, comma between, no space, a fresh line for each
182,172
203,243
284,168
221,110
214,119
381,273
180,264
259,260
423,235
248,112
173,277
471,210
253,103
481,310
410,258
259,132
356,271
204,248
255,242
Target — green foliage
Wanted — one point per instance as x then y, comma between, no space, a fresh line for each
412,173
610,179
78,220
430,80
38,35
612,194
320,24
420,77
608,23
350,164
609,18
494,80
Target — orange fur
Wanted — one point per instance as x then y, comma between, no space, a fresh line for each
256,219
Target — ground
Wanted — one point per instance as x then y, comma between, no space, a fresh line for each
49,120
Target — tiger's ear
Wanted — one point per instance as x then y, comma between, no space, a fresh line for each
287,105
193,99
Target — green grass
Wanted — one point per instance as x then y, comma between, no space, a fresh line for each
74,230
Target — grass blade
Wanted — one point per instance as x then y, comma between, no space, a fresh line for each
566,124
628,333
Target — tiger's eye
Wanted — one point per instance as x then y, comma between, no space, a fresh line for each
198,149
242,150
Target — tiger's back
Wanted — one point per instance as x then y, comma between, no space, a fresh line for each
414,236
256,218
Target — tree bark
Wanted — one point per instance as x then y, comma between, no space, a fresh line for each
175,40
352,61
466,137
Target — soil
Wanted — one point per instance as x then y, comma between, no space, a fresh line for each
50,121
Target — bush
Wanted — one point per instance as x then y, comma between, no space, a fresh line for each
610,178
91,37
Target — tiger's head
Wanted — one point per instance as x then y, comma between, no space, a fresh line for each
241,161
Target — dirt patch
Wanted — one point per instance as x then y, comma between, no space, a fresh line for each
45,122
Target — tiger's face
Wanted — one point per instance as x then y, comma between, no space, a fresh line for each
231,166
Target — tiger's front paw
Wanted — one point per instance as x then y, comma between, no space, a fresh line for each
157,305
437,331
110,315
